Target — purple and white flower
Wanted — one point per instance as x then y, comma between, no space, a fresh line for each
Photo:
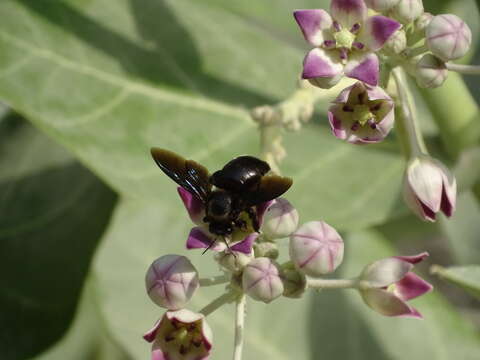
386,285
345,42
430,72
429,187
171,281
180,335
407,11
201,238
362,114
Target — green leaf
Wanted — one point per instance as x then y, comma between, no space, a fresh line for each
467,277
108,82
52,214
348,329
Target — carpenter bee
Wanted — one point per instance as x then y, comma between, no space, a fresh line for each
238,187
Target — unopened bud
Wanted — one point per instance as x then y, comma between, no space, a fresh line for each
266,249
448,37
294,281
233,261
381,5
431,72
171,281
280,219
397,42
407,11
261,280
422,22
316,248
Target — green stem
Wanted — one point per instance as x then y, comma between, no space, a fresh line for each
239,326
332,283
409,130
214,280
219,302
464,69
456,114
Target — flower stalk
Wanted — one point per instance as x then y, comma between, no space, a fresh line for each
214,280
407,125
240,306
332,283
464,69
219,302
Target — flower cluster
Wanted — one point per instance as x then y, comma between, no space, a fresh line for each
368,40
249,264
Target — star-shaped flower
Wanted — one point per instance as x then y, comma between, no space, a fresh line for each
345,42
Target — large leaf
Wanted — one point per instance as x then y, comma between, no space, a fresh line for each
110,81
52,214
467,277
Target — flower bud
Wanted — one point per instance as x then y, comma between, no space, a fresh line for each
280,219
448,37
422,22
397,43
428,188
180,334
261,280
233,261
316,248
407,11
294,281
171,281
381,5
266,249
430,72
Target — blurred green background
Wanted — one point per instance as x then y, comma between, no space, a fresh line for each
88,86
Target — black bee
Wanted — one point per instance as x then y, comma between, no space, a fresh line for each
242,184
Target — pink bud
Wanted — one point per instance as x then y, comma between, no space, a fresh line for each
316,248
381,5
261,280
429,188
430,72
171,281
407,11
280,219
448,37
180,335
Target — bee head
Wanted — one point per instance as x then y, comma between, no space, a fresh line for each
219,205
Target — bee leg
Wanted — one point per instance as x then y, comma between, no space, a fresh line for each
252,214
209,246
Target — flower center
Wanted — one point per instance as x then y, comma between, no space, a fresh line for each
362,114
344,39
184,337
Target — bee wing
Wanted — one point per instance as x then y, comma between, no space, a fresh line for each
270,187
187,173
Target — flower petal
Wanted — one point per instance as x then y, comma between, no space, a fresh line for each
158,354
322,65
199,239
245,246
195,208
363,67
413,259
377,30
449,193
152,333
426,181
313,24
336,125
348,12
411,286
385,272
386,303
